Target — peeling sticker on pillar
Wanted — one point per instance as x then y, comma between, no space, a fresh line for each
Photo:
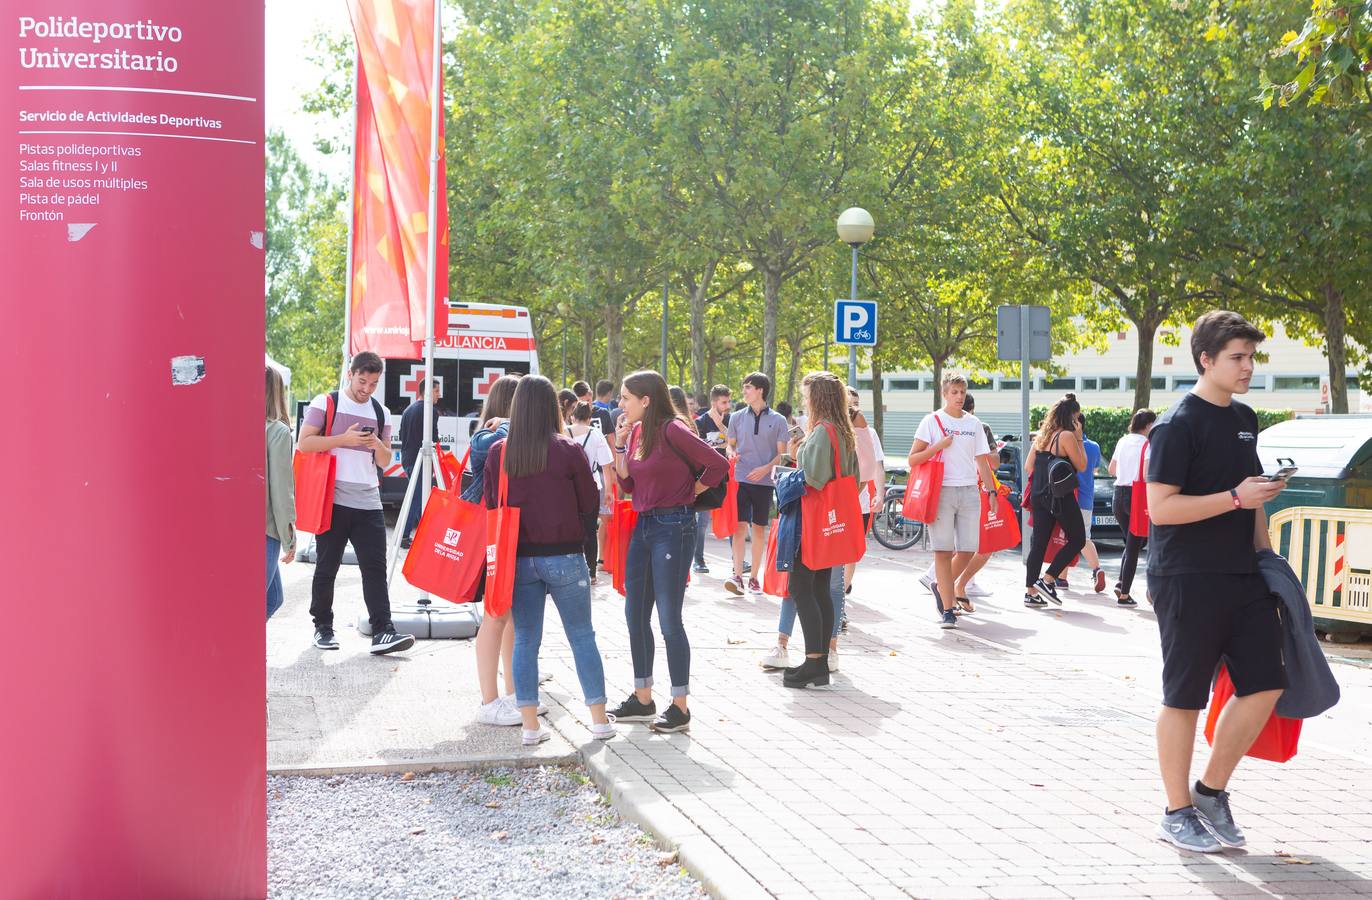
255,238
187,369
77,230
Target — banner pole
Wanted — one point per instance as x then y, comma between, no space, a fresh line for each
352,221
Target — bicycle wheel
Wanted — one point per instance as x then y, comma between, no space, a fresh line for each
894,531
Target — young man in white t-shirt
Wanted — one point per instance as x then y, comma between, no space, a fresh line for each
956,530
359,437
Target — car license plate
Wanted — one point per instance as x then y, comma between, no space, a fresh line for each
1106,520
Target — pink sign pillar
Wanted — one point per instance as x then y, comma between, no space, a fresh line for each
133,747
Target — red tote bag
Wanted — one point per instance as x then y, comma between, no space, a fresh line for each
621,532
724,521
452,469
502,544
449,548
1138,502
999,526
314,478
1279,738
922,491
831,519
774,583
1056,541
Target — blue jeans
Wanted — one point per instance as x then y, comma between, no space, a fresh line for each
787,623
412,520
702,526
566,578
275,596
655,574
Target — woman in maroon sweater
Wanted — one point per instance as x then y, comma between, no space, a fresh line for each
550,482
663,463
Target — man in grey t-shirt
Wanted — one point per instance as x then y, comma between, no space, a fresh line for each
757,440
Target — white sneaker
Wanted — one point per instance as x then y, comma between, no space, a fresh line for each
779,658
530,738
833,659
603,731
498,712
927,580
514,704
976,590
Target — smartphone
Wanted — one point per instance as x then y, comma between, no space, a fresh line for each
368,429
796,432
1281,474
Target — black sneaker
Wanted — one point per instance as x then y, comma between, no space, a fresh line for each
1034,601
701,569
672,720
324,639
631,710
389,642
1048,590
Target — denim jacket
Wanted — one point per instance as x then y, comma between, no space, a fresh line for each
1311,688
790,488
482,442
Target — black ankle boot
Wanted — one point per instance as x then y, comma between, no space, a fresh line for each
812,671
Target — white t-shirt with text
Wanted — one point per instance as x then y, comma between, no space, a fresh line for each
969,442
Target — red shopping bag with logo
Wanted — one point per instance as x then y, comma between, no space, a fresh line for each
724,521
774,583
922,491
1138,502
1280,737
502,543
831,519
999,526
1056,541
314,478
449,547
621,531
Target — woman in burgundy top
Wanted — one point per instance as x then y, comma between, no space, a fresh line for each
661,461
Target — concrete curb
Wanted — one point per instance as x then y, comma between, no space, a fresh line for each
548,757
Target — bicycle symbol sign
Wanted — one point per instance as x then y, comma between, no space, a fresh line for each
855,322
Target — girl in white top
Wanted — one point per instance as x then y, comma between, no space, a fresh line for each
1130,454
870,469
592,441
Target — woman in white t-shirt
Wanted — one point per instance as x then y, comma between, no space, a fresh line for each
591,439
1126,462
870,457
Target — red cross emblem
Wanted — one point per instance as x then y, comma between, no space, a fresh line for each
482,386
410,386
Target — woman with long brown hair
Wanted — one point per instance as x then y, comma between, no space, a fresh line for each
494,639
549,480
826,405
280,488
664,464
1054,460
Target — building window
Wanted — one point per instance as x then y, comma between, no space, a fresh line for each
976,384
1060,384
1159,382
1297,382
1009,384
1109,383
1258,383
1090,384
863,384
1184,382
904,384
1352,382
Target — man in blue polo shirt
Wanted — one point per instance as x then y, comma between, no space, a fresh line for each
757,438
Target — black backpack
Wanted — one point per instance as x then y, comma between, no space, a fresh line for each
377,409
1059,478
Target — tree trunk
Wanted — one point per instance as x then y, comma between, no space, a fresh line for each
1147,327
938,381
797,343
1335,330
698,296
587,351
771,294
878,416
614,341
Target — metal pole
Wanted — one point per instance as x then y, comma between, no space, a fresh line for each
564,353
664,327
1025,528
852,349
352,221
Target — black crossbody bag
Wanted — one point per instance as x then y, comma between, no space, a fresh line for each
711,497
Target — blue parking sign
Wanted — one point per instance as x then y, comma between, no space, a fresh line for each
855,322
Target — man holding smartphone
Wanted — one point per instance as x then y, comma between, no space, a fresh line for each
359,437
1205,498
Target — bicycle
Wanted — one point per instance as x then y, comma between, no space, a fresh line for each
891,529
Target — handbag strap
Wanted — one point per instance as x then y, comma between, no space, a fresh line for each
695,476
944,431
833,437
503,491
1143,451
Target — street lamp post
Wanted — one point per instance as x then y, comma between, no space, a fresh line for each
855,228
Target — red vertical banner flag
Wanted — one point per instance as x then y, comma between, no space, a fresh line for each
391,180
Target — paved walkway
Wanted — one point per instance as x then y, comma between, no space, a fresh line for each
1012,757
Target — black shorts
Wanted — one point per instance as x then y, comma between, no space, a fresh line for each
1206,618
755,503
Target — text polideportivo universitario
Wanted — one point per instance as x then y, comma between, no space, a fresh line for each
144,31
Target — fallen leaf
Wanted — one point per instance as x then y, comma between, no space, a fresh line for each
892,653
418,830
1129,678
426,800
499,835
667,859
494,804
734,641
1296,861
408,776
597,839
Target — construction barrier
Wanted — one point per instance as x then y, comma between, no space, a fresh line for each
1331,552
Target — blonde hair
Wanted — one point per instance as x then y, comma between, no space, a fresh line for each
827,401
952,378
276,398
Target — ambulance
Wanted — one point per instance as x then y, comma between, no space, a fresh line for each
484,342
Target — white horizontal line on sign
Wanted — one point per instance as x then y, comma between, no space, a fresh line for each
184,137
137,90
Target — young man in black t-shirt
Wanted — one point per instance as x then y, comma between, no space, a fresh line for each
1205,500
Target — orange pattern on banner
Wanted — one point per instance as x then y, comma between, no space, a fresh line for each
391,172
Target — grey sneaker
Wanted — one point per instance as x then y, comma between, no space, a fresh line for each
1184,829
1215,815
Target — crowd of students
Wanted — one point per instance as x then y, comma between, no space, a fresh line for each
565,457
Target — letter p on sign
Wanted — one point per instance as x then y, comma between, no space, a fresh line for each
855,322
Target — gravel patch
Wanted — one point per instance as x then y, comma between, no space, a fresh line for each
493,833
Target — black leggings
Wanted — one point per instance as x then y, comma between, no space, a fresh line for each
1068,515
814,605
1124,500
